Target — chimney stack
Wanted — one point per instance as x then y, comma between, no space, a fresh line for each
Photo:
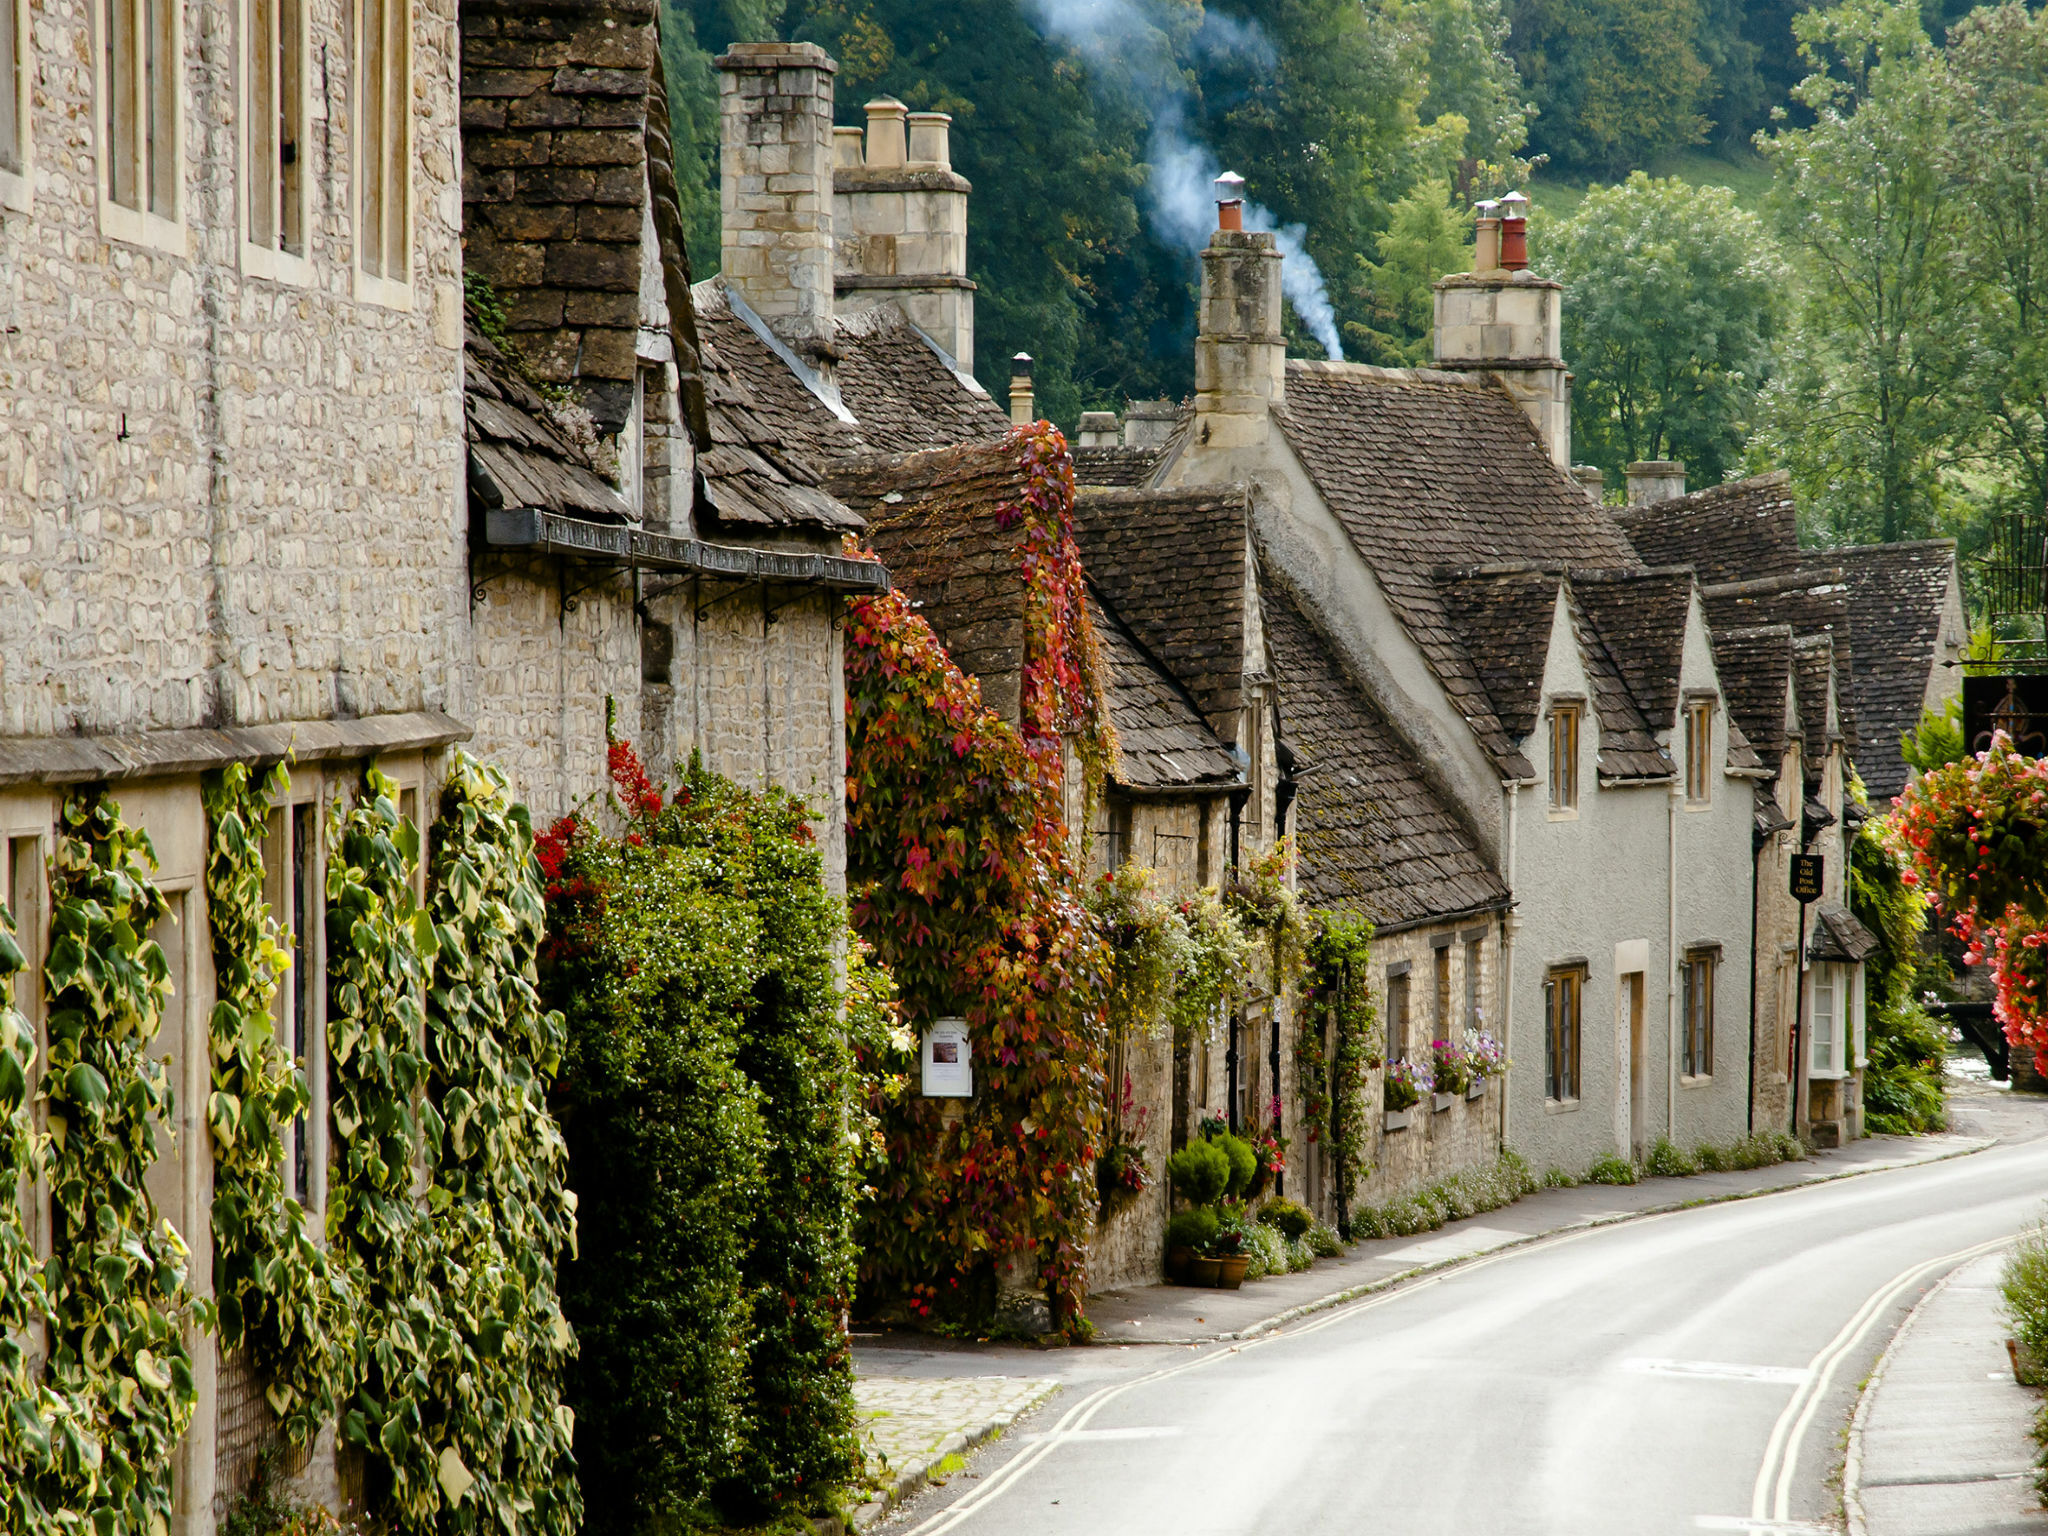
1098,429
1591,481
900,211
1506,321
1486,237
1149,423
1654,480
1022,408
776,149
1240,351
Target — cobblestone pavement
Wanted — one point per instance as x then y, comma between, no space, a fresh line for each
911,1424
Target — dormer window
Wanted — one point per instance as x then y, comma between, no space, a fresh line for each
1699,752
1564,756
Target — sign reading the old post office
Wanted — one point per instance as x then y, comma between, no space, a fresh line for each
948,1061
1808,870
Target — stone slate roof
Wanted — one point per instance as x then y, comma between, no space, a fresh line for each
1427,469
1115,466
1838,934
1641,617
1163,743
1373,836
895,394
1813,671
1756,678
1173,565
1896,595
518,457
1741,531
751,479
1814,603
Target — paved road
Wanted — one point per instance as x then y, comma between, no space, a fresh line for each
1686,1372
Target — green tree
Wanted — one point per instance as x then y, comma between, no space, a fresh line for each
1871,403
1470,73
1424,239
1673,308
1998,159
1615,82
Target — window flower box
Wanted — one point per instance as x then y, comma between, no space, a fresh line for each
1439,1102
1397,1120
1477,1090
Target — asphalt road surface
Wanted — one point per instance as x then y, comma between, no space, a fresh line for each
1686,1372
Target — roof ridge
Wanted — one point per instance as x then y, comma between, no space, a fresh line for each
1811,576
1466,379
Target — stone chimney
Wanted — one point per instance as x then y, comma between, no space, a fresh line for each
1591,481
1506,321
1098,429
775,187
554,186
900,213
1023,408
1654,480
1149,423
1240,351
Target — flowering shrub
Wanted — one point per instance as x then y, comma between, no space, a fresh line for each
1486,1055
1121,1172
1406,1083
1450,1066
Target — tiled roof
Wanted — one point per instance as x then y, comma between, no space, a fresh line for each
518,457
1735,532
1172,564
751,478
1896,594
1162,740
1756,679
1373,836
1641,616
1429,469
936,520
1814,603
1813,670
1506,619
1114,466
1838,934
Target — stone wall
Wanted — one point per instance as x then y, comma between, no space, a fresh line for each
225,498
1416,1147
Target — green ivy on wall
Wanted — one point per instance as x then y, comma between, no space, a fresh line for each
1339,985
119,1303
278,1293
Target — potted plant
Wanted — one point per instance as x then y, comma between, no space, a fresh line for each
1227,1248
1487,1057
1188,1235
1269,1149
1405,1084
1201,1172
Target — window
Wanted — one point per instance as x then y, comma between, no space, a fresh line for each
383,72
1563,995
14,78
1397,1014
1442,958
1564,757
140,124
1825,1056
1696,1005
1475,996
1699,752
273,125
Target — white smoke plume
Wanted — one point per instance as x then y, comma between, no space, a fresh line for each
1123,45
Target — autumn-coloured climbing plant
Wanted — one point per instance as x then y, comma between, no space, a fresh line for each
962,879
119,1303
279,1294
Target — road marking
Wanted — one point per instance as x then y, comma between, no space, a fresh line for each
1715,1370
1771,1499
1762,1527
1149,1432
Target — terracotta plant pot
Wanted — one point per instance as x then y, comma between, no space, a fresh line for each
1230,1271
1203,1271
1177,1262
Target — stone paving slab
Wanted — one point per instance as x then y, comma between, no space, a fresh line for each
1940,1446
912,1424
1174,1314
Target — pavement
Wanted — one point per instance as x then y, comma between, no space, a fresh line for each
1939,1445
925,1384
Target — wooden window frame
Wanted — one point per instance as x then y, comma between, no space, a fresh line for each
274,69
154,106
1837,979
17,179
1475,983
1440,978
391,139
1567,722
1698,977
1564,1017
1699,753
1400,1001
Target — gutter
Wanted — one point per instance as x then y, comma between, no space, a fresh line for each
533,531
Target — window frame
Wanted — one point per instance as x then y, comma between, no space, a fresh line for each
1400,1001
1443,995
1698,977
1699,753
1837,992
379,287
1564,1040
142,225
1475,980
277,263
1567,720
17,186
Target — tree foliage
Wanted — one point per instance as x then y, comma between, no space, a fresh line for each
1673,305
1615,82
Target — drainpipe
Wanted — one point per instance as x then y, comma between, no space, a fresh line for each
1756,894
1671,804
1237,800
1509,921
